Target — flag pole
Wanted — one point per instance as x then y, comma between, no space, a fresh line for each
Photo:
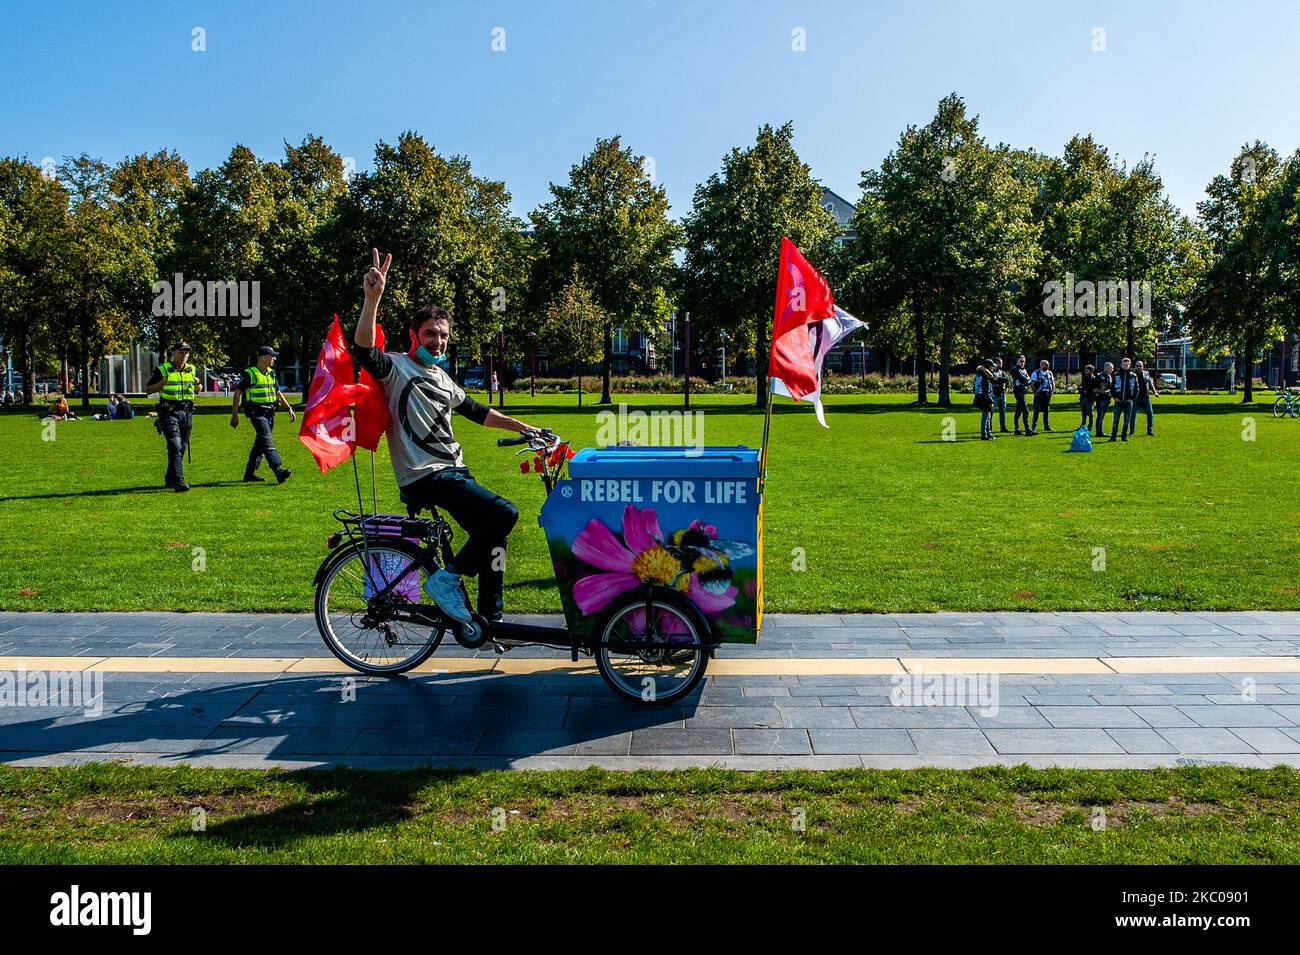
767,428
374,495
356,475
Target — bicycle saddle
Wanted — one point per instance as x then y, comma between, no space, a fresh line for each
413,507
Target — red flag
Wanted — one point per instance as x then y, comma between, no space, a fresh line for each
372,409
802,296
328,429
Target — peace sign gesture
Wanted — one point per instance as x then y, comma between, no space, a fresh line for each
377,277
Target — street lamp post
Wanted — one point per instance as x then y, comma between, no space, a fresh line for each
532,342
501,376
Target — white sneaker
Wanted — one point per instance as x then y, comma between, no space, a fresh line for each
443,587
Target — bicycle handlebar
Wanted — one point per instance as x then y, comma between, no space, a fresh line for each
546,435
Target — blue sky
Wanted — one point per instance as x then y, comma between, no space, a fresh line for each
682,82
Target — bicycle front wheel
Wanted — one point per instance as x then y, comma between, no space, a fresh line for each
651,653
359,625
1281,407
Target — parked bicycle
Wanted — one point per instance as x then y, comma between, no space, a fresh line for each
1287,403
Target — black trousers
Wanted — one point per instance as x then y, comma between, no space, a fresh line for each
263,444
1022,411
487,519
1043,406
175,426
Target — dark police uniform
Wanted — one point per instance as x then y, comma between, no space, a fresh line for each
175,416
259,404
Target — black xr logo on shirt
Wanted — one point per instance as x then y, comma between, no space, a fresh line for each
437,441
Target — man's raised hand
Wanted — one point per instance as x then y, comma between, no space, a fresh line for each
377,277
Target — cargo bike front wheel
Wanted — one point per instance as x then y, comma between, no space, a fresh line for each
652,648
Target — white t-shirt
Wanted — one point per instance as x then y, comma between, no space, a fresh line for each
420,399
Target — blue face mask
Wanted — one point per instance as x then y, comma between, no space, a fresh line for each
427,358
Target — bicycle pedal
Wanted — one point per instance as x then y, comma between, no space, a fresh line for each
501,648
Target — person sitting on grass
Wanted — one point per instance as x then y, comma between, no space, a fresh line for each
124,410
59,410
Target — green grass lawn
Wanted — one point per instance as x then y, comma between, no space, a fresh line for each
890,516
103,813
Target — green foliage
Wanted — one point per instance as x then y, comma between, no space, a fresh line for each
945,234
1248,294
733,238
607,229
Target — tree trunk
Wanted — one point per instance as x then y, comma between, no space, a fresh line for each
609,347
945,360
1128,277
26,370
761,386
919,356
1248,393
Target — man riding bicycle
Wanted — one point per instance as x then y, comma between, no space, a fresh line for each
425,456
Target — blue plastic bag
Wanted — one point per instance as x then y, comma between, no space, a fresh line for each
1082,440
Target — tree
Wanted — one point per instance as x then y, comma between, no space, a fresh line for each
303,277
1241,302
733,239
103,265
574,324
611,222
226,221
148,191
454,235
945,231
36,209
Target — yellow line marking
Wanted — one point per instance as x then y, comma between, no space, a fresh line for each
782,666
194,664
1205,664
49,663
805,666
1064,665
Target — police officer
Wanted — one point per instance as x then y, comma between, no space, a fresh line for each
260,396
175,383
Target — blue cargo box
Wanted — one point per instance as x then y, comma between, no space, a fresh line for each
689,518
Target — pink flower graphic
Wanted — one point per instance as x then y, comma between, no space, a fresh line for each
640,557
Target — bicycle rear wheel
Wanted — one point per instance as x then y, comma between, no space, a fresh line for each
358,625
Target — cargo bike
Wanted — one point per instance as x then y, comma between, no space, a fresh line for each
651,605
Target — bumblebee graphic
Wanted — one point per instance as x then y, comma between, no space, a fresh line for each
707,558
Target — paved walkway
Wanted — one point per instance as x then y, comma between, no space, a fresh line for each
823,691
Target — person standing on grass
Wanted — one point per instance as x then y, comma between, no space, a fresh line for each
1000,381
984,398
1124,391
1101,385
1019,386
176,383
1043,383
1146,390
260,396
1086,399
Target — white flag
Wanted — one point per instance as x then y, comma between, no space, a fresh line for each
823,336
